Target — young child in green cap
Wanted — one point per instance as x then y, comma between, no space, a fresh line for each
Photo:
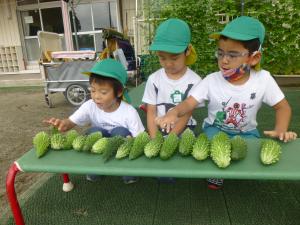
105,110
237,91
171,84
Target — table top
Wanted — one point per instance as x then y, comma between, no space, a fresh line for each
73,162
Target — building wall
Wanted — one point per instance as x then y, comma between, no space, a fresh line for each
8,24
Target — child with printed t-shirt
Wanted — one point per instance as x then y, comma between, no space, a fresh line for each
171,84
237,91
106,109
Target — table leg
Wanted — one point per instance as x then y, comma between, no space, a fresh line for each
11,193
67,186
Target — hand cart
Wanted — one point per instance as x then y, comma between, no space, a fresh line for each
62,70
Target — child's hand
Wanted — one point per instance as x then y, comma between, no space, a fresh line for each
61,125
282,136
166,122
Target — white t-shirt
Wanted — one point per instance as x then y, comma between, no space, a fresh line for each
125,116
166,93
233,108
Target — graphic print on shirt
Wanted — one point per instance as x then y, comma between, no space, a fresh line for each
232,117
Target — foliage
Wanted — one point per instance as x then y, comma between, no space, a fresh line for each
281,54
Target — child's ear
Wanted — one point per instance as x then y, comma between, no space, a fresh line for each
255,58
120,93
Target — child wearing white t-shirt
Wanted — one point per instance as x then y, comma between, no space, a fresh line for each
171,84
105,110
237,91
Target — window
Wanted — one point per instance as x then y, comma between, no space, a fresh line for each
89,20
31,22
83,19
52,20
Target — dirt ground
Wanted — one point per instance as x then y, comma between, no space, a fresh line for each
21,113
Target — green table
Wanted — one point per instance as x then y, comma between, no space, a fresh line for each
288,168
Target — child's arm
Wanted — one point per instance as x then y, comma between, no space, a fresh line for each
168,121
151,125
181,124
283,117
62,125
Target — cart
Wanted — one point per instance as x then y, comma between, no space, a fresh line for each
62,70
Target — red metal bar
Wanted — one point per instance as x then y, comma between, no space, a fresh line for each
66,177
11,193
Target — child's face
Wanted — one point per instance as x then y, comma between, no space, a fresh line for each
232,54
174,64
103,95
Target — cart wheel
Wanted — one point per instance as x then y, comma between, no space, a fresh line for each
76,94
48,101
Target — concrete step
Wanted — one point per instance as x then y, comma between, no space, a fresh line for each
21,79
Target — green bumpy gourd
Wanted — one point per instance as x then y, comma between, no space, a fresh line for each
238,148
79,142
187,141
270,151
53,130
114,143
69,138
41,142
220,150
57,141
139,144
91,140
100,146
153,147
201,148
124,150
169,146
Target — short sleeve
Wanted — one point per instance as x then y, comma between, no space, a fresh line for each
273,93
150,93
200,91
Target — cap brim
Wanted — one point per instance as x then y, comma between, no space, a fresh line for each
231,35
168,48
101,73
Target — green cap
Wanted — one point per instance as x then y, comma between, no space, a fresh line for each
173,36
243,28
114,69
109,68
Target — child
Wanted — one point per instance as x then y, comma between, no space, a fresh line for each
171,84
105,111
237,91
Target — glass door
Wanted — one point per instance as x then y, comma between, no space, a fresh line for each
31,24
43,17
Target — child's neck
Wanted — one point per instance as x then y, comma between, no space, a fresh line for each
240,81
112,107
178,75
